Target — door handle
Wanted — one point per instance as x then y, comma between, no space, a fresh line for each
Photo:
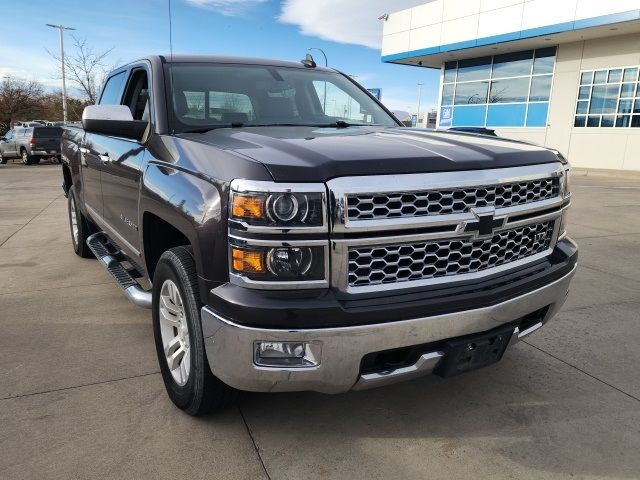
104,158
84,150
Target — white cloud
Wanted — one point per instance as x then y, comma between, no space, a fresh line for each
343,21
230,8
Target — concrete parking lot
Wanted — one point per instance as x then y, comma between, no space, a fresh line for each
81,396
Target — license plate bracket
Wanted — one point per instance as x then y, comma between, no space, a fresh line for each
474,351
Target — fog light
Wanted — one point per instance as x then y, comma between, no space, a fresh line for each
285,354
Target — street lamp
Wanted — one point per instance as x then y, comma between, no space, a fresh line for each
419,98
62,28
326,64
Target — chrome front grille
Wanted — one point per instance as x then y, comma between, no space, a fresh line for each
404,262
375,206
394,232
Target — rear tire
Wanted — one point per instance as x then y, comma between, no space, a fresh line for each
79,227
178,335
3,160
26,158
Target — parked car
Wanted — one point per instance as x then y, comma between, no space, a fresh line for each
31,144
290,248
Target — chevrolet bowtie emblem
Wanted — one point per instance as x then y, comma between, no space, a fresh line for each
484,224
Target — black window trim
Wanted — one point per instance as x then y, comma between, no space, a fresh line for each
146,66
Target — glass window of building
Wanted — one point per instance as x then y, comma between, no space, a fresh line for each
609,98
510,90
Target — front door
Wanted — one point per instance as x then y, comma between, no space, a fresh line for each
122,172
9,148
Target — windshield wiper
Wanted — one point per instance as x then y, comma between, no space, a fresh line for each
214,127
343,124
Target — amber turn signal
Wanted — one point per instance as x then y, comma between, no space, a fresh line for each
248,261
248,206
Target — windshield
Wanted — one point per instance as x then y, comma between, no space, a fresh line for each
213,96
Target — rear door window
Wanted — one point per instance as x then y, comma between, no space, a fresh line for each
47,132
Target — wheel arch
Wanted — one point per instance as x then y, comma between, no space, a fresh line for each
158,236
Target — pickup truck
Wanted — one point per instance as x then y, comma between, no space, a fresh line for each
30,144
288,234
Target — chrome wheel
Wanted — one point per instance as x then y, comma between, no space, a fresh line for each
25,157
174,332
74,220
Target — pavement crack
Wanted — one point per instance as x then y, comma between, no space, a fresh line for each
606,304
634,280
633,397
36,290
73,387
30,220
253,440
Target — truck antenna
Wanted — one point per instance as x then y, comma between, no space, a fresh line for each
171,56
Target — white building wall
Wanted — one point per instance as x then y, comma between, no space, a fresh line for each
445,22
606,148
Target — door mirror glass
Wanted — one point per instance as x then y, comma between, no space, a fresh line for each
113,120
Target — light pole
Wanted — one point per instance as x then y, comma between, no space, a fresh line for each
419,98
62,28
326,64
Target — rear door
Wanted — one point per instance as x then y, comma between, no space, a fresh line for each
93,151
122,174
20,139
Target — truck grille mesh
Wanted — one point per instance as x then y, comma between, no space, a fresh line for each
439,258
374,206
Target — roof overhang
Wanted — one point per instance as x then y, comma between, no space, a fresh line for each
587,29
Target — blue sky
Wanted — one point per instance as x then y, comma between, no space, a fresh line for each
347,30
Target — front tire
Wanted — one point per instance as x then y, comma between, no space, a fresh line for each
79,227
178,335
3,160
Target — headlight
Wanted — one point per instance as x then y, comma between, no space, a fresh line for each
278,263
266,204
278,235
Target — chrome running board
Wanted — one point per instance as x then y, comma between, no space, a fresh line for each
99,245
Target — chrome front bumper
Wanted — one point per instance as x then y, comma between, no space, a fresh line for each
230,346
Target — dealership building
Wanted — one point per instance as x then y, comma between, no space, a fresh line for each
560,73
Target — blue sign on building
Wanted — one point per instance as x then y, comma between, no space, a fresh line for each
445,116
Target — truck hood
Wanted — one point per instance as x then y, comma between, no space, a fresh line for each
311,154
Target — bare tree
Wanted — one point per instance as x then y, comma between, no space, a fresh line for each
85,67
19,99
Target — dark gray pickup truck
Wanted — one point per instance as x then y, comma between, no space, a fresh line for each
288,234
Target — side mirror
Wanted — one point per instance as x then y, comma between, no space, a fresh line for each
113,120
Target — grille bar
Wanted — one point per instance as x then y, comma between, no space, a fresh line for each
384,264
380,206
